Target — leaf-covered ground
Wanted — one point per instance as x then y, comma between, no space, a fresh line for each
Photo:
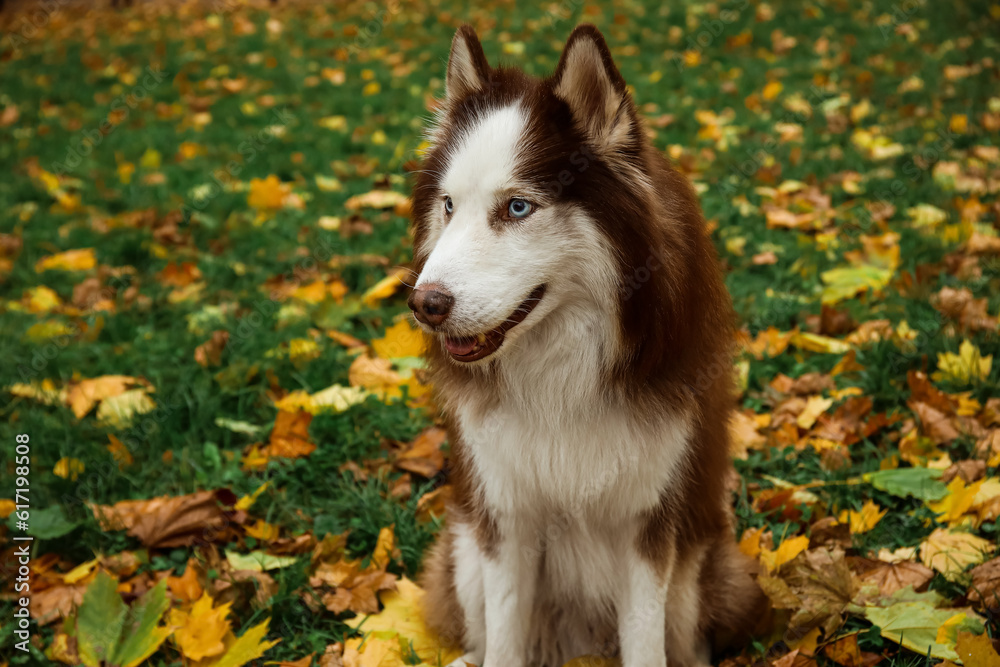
203,213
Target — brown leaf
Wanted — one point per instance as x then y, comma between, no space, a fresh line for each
921,390
423,456
959,305
209,353
969,471
985,588
242,587
845,652
977,650
817,586
934,424
892,577
333,656
56,602
290,436
432,504
171,521
834,322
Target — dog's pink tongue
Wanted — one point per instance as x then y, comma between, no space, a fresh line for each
460,346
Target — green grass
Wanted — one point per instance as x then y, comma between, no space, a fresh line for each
64,81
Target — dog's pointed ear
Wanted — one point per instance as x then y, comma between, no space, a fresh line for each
468,70
588,81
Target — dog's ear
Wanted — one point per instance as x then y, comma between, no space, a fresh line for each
588,81
468,70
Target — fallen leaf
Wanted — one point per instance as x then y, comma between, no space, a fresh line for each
170,521
967,367
375,199
423,456
399,624
976,650
950,552
82,259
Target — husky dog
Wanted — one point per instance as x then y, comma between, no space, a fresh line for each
579,337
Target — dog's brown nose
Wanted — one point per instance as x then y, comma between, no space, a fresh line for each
430,304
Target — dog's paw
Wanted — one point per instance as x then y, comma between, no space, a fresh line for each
467,660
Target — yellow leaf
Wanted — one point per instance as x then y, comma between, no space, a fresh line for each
118,411
150,159
7,506
201,631
815,406
400,340
80,572
400,623
335,123
82,259
950,552
371,88
249,646
846,282
958,501
125,171
44,392
268,194
246,502
785,552
303,350
385,288
772,90
67,468
42,299
48,329
817,343
863,521
925,215
83,395
327,183
967,367
263,531
335,398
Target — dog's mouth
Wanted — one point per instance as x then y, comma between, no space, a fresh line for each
473,348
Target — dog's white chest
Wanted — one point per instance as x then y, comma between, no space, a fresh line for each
599,465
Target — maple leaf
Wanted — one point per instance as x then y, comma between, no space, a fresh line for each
976,650
201,630
84,394
818,586
400,624
865,520
967,367
268,194
950,552
109,632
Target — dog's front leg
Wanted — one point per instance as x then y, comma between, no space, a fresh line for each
642,612
510,573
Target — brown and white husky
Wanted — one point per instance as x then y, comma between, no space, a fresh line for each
580,336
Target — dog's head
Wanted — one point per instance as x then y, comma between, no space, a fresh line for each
522,204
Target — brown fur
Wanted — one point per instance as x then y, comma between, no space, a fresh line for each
676,322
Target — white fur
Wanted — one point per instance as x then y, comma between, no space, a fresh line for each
568,468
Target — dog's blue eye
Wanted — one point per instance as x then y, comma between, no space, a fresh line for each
449,206
519,208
